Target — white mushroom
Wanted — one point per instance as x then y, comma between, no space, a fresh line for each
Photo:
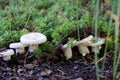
97,45
18,46
83,49
83,45
67,50
7,54
33,40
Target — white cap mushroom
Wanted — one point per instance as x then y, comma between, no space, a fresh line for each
33,40
82,45
7,54
97,45
67,50
18,46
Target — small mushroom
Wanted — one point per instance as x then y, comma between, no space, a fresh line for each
67,50
33,40
83,45
7,54
97,45
83,49
18,46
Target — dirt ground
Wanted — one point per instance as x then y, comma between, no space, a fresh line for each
47,68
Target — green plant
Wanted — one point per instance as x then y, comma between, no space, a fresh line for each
110,42
1,42
62,30
37,52
47,47
96,32
70,42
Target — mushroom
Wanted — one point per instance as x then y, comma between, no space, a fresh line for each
67,50
18,46
7,54
97,45
33,40
82,45
83,49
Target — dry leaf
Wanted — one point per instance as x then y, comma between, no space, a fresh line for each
48,71
79,79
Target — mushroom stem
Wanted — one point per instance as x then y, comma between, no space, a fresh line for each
32,47
97,45
67,49
82,45
19,47
83,49
20,50
67,52
7,58
1,54
96,49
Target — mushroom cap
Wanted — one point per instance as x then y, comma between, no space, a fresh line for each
90,37
17,45
83,49
99,42
7,53
86,41
33,38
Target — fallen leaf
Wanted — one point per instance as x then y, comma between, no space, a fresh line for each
48,71
79,79
43,73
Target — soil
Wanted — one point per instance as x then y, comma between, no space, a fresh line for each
55,67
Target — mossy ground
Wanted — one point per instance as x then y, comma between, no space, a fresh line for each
58,20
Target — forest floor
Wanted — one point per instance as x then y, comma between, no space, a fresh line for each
48,16
48,67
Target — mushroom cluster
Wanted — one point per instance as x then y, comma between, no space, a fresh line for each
31,40
83,46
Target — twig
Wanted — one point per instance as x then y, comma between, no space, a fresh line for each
26,57
99,60
61,72
60,76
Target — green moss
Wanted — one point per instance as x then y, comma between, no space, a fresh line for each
53,18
